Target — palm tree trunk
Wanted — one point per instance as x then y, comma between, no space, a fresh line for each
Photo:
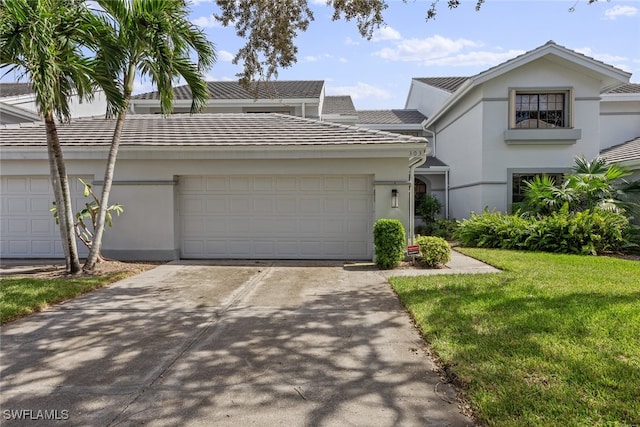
62,194
96,246
57,192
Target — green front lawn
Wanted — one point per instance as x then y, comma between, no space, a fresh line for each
553,340
20,296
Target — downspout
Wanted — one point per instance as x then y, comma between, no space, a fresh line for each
413,164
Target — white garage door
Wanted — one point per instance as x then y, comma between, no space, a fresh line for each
276,217
27,227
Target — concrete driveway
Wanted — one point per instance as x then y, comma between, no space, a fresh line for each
253,343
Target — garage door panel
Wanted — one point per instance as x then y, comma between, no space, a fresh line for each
276,216
41,226
28,229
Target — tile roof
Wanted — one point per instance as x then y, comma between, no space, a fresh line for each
15,89
230,129
390,117
432,162
450,84
265,90
626,151
627,88
338,105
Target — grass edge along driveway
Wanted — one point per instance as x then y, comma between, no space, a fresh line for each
23,295
553,340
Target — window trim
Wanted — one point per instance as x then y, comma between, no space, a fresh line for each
568,107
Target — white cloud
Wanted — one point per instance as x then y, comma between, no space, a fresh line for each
478,58
351,42
197,2
359,91
206,22
225,56
385,33
343,59
421,50
615,60
618,10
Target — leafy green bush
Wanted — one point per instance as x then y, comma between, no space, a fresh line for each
444,228
428,208
492,230
433,250
586,232
390,241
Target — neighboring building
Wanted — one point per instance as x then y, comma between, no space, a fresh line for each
530,115
302,98
17,104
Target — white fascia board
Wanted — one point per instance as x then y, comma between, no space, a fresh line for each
619,97
186,152
391,127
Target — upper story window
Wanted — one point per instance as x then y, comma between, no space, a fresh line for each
544,109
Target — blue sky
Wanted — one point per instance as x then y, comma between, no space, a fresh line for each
460,42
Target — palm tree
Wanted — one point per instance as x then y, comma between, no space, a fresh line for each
42,39
591,185
155,39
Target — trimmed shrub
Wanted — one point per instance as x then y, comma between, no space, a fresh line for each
390,241
433,250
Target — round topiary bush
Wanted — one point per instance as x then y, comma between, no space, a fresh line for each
433,250
389,240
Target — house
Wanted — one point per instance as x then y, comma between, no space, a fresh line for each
17,104
215,185
282,170
530,115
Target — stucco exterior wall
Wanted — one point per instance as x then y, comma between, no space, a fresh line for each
149,229
619,119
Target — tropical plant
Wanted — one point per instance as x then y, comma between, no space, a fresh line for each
428,208
43,40
153,38
86,232
590,185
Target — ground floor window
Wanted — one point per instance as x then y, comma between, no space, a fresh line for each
519,185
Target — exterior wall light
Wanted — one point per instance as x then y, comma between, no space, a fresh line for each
394,198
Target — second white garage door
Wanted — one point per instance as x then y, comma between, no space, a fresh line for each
276,217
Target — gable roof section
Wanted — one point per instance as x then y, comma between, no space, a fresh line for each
610,76
204,130
448,84
394,117
15,89
225,90
625,152
342,104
